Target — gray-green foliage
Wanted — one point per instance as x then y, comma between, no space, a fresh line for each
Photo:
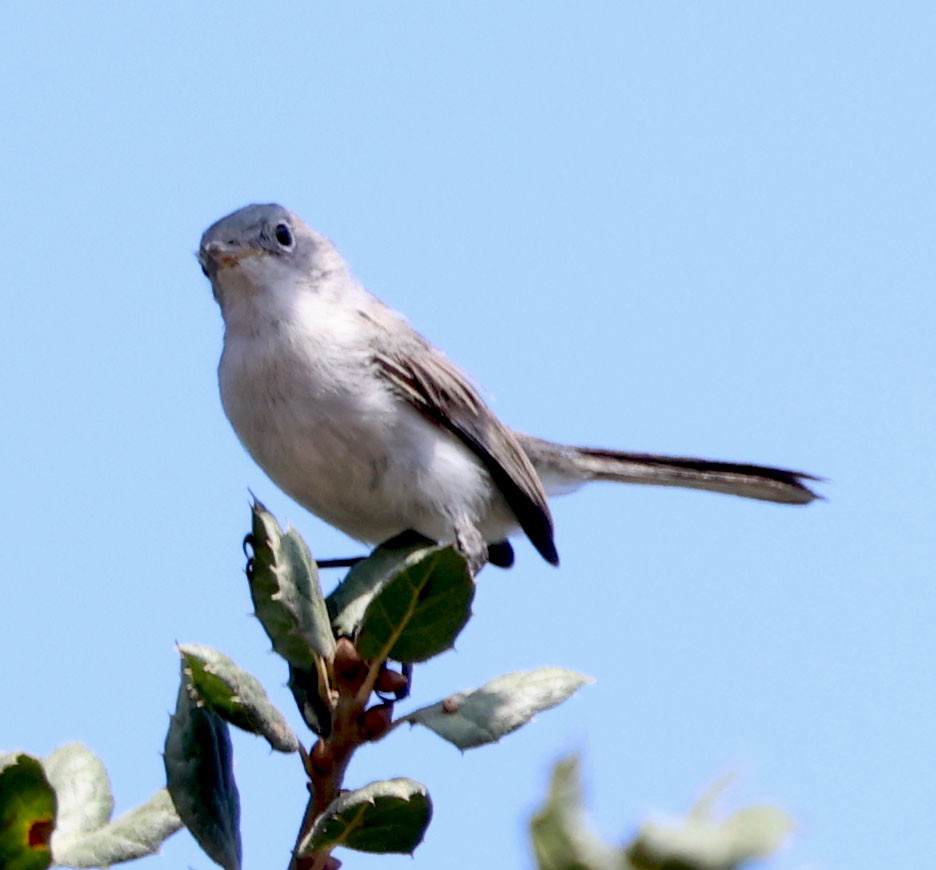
236,696
57,812
387,816
484,715
406,603
705,841
200,776
420,610
564,840
287,595
562,836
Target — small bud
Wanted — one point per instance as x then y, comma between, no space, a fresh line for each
321,758
391,682
450,705
375,721
350,669
308,862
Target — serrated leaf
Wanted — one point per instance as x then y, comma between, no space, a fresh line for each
387,816
286,593
562,838
420,611
83,790
27,813
702,841
484,715
237,696
200,778
348,601
133,835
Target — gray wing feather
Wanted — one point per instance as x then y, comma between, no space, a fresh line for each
443,394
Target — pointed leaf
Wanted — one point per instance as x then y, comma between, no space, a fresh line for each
389,816
561,836
284,585
84,795
200,778
133,835
421,610
701,840
316,712
756,831
484,715
27,813
349,600
236,696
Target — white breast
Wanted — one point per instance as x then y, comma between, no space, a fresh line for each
299,388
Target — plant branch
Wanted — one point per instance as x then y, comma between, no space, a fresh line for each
328,760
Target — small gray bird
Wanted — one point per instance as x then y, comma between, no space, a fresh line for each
369,426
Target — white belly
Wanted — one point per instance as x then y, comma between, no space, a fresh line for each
364,461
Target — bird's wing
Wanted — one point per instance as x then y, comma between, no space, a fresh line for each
443,394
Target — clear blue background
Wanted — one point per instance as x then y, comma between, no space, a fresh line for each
680,227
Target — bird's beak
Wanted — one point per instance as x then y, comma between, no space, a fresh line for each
216,255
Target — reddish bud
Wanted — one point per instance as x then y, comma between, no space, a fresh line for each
450,705
391,682
321,758
375,722
308,862
350,669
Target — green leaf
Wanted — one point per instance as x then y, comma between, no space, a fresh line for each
349,600
200,778
562,839
133,835
286,593
390,816
28,808
316,712
83,834
702,842
484,715
420,611
236,696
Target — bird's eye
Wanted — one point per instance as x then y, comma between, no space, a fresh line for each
283,235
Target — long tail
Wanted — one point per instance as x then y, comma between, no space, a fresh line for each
564,468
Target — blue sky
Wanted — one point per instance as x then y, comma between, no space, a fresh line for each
689,228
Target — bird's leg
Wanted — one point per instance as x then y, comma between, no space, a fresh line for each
471,544
347,562
405,539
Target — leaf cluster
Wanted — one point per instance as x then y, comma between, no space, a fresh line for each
350,658
56,812
564,840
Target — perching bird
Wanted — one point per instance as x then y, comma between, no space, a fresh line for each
369,426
